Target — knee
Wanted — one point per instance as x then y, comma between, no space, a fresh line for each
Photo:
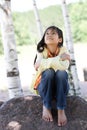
49,73
61,75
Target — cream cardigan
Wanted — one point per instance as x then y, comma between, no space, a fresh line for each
55,62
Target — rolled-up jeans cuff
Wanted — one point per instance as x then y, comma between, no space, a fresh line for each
47,106
60,108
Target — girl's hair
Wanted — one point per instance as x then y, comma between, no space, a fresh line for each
42,44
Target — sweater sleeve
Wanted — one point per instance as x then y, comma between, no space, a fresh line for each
39,56
56,62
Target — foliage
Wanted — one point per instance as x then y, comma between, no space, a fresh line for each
79,21
26,29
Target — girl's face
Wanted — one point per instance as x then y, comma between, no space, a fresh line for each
51,37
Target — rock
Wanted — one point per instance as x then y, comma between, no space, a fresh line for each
25,113
1,102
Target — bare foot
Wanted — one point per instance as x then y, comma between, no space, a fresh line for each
62,119
47,116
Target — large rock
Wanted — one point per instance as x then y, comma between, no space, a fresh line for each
25,114
1,102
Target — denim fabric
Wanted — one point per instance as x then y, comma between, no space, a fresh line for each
54,85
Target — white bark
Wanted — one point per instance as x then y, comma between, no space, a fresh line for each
39,26
69,44
7,29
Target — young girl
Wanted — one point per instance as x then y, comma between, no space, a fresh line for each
51,80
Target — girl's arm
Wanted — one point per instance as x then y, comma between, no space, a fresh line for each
65,56
60,62
38,61
56,63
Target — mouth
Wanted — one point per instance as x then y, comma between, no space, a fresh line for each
49,38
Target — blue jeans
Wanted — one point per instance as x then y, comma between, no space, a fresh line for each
54,85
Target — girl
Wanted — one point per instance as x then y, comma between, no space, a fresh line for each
51,79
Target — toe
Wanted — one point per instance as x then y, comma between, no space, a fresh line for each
45,118
51,120
64,123
59,124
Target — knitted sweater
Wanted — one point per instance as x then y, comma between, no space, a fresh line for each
55,62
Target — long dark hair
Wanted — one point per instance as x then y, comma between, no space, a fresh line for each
42,44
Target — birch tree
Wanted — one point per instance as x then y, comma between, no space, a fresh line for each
39,26
69,44
10,54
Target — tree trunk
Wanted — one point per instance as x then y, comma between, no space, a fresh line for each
39,26
7,29
69,44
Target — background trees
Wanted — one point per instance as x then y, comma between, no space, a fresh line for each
26,29
8,38
74,82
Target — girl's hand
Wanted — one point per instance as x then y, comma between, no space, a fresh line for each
37,64
65,56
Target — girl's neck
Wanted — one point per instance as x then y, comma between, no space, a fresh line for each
52,48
